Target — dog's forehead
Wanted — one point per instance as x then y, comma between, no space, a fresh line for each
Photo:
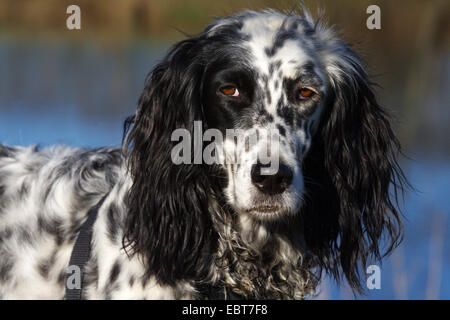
274,39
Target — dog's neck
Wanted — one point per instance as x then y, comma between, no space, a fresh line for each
262,260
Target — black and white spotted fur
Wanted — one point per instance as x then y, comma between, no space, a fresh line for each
168,231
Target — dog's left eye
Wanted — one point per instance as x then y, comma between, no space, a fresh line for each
305,93
230,91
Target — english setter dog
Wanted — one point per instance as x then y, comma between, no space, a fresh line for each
190,230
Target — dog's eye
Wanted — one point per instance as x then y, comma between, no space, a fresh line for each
230,91
305,93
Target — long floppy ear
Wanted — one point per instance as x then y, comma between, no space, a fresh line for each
168,223
352,167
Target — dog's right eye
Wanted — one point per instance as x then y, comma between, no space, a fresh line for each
305,93
230,91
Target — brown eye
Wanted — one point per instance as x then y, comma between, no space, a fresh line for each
230,91
305,93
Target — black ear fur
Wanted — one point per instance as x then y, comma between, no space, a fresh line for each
352,168
168,223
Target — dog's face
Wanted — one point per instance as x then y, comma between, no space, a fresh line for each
266,83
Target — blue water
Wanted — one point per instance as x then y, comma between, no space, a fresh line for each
420,267
64,94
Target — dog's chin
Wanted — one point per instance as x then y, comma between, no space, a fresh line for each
268,212
270,207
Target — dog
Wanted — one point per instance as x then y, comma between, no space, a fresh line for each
186,230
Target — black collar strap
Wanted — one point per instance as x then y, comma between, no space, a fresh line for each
81,251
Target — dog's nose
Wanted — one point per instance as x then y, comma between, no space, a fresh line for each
271,184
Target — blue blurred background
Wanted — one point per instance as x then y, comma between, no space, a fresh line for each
77,87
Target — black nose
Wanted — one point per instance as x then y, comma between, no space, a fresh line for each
271,184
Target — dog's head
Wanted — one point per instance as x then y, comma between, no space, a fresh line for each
275,113
266,80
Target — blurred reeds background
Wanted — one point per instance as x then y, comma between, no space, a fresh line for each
77,86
